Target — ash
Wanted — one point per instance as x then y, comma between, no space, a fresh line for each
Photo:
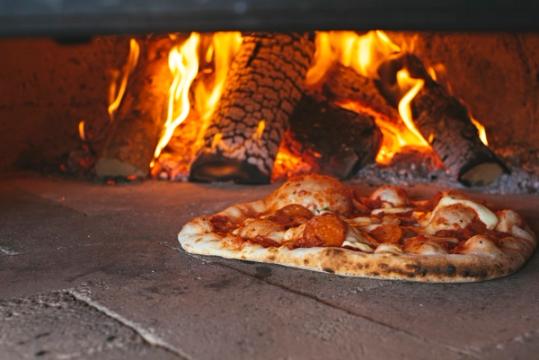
409,170
412,167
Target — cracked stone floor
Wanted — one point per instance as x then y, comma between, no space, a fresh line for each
94,271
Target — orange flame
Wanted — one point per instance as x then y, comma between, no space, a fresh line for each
481,129
183,63
116,93
201,63
364,53
82,133
405,111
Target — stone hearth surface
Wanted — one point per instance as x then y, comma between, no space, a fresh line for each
95,271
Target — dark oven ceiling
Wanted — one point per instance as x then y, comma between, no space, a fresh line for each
88,17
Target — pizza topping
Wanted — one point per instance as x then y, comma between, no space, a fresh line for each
452,217
323,230
387,233
485,215
294,233
359,240
360,207
291,215
424,246
429,245
480,245
266,228
320,194
362,221
398,210
511,223
388,249
390,196
427,205
222,224
264,241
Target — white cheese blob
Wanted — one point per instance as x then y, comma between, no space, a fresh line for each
511,222
391,195
355,239
318,193
398,210
388,249
481,245
486,216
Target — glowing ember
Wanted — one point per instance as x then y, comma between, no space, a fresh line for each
117,91
291,160
82,134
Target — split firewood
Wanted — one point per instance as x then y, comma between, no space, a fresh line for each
445,123
139,121
344,83
343,140
264,84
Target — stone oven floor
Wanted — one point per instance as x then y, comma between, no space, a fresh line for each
93,271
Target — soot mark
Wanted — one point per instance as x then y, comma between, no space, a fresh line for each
262,272
220,284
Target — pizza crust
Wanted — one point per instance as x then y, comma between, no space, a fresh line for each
479,259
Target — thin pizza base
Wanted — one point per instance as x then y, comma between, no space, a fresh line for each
480,258
197,237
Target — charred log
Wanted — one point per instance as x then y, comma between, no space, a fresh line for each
445,122
344,83
454,137
343,140
264,85
134,134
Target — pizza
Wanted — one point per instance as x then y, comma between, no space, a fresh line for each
317,223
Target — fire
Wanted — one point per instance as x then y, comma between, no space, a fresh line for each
199,66
405,110
364,53
117,91
82,132
185,65
482,131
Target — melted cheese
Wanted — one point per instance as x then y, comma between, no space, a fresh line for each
388,249
398,210
481,245
318,193
355,239
391,195
431,248
486,216
511,222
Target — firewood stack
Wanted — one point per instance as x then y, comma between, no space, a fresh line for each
265,95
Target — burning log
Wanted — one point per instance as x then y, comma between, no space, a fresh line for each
344,83
137,126
264,85
446,124
343,140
